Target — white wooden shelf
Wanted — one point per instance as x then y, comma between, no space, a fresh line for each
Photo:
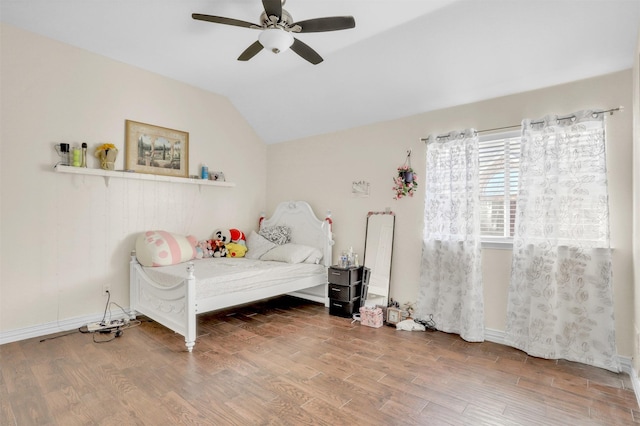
107,174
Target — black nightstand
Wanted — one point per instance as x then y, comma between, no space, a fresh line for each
345,287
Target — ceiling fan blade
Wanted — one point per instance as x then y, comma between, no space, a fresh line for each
223,20
250,52
332,23
273,7
306,52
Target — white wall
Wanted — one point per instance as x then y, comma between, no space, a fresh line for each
63,236
321,169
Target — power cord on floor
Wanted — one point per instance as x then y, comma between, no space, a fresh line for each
113,332
60,335
429,324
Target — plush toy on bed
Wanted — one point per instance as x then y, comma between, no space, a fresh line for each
236,250
238,237
219,249
230,236
204,249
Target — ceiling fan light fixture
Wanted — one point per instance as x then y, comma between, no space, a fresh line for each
275,39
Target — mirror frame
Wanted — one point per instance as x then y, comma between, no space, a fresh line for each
385,299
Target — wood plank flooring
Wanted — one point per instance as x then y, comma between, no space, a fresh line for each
288,362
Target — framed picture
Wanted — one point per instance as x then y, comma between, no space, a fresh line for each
156,150
360,189
394,315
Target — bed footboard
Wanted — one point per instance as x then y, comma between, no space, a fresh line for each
174,307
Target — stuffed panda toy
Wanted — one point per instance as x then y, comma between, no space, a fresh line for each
229,236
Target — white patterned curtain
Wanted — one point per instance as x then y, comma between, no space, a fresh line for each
451,274
560,301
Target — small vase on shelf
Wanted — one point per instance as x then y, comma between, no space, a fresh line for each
107,154
108,159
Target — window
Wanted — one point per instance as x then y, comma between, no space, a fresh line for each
499,158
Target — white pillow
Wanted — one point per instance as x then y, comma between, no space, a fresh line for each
289,253
257,245
410,325
315,257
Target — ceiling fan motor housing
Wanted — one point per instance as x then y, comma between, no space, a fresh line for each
285,22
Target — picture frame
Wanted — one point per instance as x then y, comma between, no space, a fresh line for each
394,315
156,150
360,189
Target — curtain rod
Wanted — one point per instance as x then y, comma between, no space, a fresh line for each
516,126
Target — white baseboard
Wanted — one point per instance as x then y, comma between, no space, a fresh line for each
627,367
626,364
495,336
52,327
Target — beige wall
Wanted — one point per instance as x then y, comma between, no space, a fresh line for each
321,169
63,236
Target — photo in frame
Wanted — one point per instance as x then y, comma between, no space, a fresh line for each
156,150
394,315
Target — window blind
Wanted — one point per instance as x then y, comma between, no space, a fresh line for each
499,158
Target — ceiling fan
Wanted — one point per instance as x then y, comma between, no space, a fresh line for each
277,25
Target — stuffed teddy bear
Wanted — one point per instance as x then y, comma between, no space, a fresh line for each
219,249
236,250
204,249
199,252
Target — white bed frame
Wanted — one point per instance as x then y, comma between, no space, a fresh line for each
176,307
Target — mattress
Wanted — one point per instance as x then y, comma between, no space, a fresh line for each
217,276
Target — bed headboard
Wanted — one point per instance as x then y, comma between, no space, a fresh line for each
305,226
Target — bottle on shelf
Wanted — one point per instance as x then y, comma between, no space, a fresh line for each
344,260
76,156
83,163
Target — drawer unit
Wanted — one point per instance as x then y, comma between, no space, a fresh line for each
344,293
344,276
345,286
344,309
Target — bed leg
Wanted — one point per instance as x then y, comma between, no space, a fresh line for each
190,346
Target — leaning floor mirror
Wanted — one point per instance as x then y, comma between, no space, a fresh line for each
378,251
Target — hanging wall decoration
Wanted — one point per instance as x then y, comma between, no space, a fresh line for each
406,181
360,189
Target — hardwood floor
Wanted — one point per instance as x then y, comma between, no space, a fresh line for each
289,362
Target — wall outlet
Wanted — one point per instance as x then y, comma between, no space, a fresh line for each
106,288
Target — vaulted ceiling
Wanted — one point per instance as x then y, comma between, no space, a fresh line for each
403,57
